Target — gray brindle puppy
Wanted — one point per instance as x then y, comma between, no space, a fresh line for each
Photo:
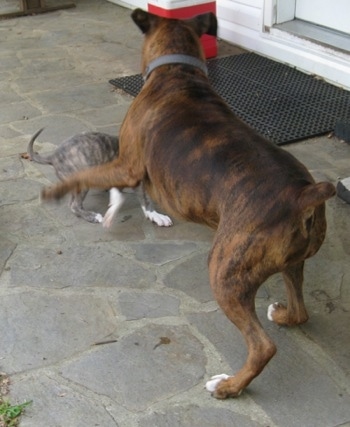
86,150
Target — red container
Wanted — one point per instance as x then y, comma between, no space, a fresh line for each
187,9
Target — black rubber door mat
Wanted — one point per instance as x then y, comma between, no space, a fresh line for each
280,102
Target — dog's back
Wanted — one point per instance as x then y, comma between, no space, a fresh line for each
205,151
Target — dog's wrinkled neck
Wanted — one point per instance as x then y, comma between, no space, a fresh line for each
175,59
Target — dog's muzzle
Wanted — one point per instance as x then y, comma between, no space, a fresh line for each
175,59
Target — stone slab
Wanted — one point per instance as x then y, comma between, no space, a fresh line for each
147,305
162,253
83,266
195,416
56,405
191,277
46,328
85,96
291,378
138,370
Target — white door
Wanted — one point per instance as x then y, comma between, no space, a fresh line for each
333,14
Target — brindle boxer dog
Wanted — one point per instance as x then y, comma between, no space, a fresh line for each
203,164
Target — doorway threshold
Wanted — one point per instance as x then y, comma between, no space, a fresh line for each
316,33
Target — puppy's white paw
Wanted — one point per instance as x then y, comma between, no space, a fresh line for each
158,218
98,218
271,309
214,381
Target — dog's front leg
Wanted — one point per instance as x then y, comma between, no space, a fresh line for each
148,208
295,313
234,286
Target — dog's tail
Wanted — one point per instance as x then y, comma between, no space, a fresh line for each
35,156
312,198
59,190
108,175
315,194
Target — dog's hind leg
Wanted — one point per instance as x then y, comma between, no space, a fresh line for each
295,313
235,284
76,205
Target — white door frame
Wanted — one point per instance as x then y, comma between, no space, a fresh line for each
285,10
278,11
304,54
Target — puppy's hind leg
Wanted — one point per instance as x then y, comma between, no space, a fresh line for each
295,313
76,205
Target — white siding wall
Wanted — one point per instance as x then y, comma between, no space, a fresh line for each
236,17
131,4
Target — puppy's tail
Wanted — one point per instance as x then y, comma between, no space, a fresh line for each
35,156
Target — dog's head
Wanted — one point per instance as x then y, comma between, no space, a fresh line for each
165,36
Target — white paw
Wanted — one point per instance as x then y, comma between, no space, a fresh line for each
98,218
116,200
271,309
158,218
214,381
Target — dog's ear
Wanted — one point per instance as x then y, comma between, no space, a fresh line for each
143,19
204,24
